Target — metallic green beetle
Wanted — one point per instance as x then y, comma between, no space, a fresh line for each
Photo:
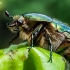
39,29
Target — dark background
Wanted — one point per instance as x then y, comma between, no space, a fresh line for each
59,9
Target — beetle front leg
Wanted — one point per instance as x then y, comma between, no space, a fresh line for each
11,47
14,38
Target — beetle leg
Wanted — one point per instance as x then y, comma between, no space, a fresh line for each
50,46
34,34
14,38
49,42
32,37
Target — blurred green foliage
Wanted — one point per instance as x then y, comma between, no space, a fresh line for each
59,9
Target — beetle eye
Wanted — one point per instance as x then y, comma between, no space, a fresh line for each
20,21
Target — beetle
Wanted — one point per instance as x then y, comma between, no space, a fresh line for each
41,30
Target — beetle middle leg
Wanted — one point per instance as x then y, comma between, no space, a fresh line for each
47,36
32,37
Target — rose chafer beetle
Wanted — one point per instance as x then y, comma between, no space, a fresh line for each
38,29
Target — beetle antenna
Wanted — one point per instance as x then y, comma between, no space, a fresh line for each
7,14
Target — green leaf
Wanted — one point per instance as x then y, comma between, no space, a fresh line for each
13,60
36,59
39,57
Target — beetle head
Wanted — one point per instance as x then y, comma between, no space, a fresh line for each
17,24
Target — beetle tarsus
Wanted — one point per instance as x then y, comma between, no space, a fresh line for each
29,48
32,37
49,42
50,51
50,60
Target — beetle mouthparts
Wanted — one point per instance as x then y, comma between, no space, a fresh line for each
7,14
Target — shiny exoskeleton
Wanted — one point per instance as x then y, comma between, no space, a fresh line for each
38,29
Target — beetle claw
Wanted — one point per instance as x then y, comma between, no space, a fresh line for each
50,60
29,48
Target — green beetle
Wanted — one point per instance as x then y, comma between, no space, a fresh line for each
38,29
